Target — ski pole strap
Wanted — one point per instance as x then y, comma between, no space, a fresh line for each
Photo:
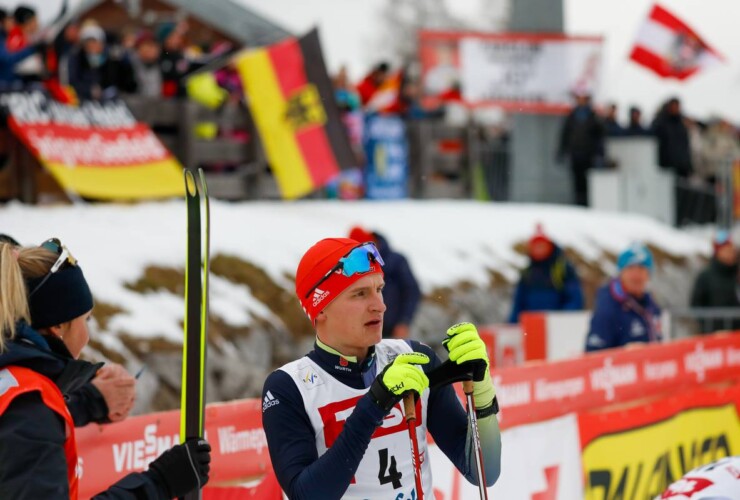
468,389
381,396
488,411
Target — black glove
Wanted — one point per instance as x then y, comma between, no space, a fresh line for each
450,372
184,467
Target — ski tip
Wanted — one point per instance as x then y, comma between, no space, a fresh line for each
190,186
203,184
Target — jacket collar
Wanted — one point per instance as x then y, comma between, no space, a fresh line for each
48,356
619,294
344,367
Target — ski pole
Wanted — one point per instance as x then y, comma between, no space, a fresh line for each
473,422
410,411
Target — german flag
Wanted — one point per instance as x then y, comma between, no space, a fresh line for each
292,101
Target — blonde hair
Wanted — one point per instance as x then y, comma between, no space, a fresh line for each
16,265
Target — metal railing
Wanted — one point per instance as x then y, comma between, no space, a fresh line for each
708,201
446,160
690,321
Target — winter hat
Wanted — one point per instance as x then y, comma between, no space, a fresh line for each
636,255
315,264
64,296
92,32
358,233
23,13
145,36
164,31
721,239
540,236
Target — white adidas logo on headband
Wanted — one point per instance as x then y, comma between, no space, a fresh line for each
318,296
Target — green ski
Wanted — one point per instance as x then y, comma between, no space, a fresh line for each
192,406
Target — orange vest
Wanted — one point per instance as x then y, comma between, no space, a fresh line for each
16,380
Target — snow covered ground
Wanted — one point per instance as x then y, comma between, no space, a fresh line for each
445,241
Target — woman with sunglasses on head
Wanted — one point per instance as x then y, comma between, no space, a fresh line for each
333,420
45,303
108,397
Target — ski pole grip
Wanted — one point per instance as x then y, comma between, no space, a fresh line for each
468,386
409,406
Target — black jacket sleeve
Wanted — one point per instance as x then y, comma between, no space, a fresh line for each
86,405
32,460
135,486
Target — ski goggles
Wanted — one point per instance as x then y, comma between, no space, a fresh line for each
359,260
721,238
65,259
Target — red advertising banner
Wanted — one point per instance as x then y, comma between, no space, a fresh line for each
109,452
96,150
542,391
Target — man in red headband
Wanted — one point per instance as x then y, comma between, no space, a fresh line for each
333,420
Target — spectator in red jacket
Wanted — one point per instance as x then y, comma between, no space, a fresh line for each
26,25
372,82
10,58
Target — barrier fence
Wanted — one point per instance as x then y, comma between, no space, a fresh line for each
557,420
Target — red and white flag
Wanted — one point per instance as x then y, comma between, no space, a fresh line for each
670,48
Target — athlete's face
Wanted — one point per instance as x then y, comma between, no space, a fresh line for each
353,321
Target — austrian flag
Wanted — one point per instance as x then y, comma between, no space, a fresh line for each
670,48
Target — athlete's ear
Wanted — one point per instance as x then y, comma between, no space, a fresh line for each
321,317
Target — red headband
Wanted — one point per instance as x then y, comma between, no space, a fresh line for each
316,262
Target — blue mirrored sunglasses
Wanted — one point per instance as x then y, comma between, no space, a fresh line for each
722,237
65,257
359,260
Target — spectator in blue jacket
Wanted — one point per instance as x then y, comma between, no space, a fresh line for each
401,293
548,283
625,312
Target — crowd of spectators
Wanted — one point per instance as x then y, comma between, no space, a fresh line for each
624,310
84,61
96,63
154,61
696,151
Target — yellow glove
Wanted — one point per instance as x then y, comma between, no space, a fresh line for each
465,346
400,377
